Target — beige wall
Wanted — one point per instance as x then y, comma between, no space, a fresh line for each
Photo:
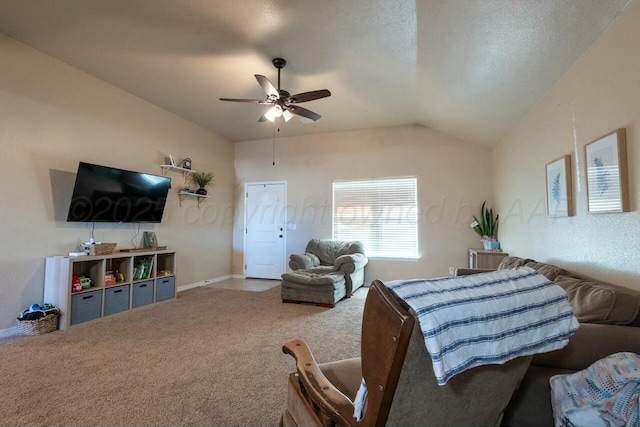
453,180
602,91
51,117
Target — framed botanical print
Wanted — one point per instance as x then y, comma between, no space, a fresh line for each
606,163
559,194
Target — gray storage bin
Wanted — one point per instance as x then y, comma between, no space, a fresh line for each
116,299
165,288
142,294
86,306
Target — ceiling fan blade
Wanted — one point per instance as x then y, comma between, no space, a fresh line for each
303,112
267,86
251,101
309,96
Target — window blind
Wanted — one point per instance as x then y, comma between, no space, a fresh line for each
381,213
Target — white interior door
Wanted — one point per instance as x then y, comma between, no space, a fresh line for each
264,213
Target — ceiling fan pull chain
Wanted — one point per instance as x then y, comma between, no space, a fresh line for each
273,146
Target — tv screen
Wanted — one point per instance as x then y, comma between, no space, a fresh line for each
104,194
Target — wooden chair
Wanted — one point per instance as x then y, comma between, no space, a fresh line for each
397,369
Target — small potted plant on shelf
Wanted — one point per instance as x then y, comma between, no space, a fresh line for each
202,179
486,227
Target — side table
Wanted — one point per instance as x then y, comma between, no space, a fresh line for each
479,258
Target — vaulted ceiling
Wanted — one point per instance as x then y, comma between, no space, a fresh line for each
469,68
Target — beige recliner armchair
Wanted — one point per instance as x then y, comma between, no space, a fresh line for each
327,256
402,388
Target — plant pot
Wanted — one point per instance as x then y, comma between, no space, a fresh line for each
201,191
490,246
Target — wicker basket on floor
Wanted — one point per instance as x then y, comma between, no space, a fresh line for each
105,248
47,324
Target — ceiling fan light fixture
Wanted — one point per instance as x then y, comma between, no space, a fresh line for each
275,111
288,115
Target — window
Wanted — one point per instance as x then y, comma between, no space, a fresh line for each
381,213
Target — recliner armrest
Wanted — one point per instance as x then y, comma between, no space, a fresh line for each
590,343
350,263
334,404
303,261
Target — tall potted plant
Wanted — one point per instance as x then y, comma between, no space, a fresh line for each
202,179
486,227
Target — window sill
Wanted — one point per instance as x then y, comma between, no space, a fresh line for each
380,258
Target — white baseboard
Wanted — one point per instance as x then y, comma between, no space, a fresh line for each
4,333
204,282
238,276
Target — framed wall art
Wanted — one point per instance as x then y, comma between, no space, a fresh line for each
606,163
559,194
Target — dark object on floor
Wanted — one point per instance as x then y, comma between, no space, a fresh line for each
38,322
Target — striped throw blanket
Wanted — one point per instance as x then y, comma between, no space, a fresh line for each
487,318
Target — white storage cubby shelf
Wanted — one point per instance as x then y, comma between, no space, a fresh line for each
185,174
156,284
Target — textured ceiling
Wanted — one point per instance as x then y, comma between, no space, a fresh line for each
469,68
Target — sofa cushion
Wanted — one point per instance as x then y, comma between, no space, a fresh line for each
512,262
303,261
547,270
600,302
327,250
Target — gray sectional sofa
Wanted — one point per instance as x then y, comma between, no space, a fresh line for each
609,320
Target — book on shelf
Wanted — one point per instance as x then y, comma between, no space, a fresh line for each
150,239
143,268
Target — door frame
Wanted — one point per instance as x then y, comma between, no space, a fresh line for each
244,227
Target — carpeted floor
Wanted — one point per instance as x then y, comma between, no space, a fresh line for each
211,357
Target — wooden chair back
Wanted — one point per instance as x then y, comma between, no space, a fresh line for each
386,330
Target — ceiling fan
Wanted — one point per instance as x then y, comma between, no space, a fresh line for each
283,104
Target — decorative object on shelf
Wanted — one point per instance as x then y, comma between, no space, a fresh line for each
202,179
169,160
104,248
606,163
486,227
559,193
186,163
150,239
109,279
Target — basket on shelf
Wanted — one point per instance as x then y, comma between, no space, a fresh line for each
44,325
104,248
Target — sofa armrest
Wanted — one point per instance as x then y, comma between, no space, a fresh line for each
303,261
468,271
590,343
350,263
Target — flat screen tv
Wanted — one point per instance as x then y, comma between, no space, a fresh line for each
104,194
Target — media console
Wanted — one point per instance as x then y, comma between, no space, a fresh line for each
136,279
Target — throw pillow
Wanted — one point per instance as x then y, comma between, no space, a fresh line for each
600,302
